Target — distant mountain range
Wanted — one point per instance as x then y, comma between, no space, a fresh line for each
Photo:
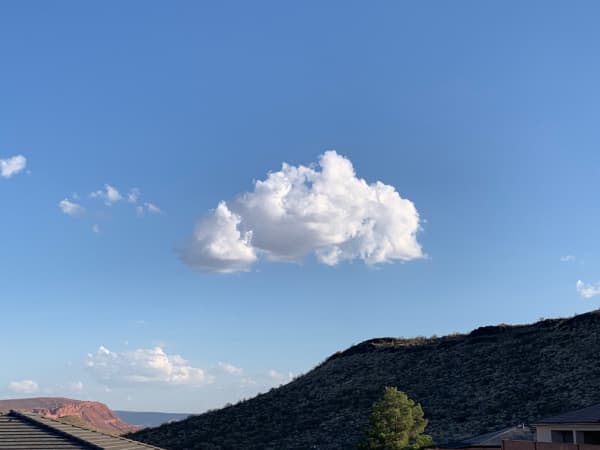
149,419
88,414
493,377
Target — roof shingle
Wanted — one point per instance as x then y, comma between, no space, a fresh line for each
591,414
33,432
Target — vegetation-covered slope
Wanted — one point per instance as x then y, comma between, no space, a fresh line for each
467,384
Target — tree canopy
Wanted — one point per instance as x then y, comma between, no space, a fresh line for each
396,423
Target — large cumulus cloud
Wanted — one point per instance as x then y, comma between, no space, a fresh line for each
325,210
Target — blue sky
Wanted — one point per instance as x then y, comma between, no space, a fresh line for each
482,115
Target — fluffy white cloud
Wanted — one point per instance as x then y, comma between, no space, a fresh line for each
70,208
218,245
110,195
146,366
326,210
587,290
12,166
23,386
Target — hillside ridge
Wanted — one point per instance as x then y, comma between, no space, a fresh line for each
468,384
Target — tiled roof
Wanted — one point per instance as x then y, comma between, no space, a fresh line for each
591,414
33,432
495,438
519,432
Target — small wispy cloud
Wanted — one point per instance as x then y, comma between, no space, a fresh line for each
76,386
109,194
278,376
149,208
152,208
71,208
587,290
24,386
230,368
12,166
266,380
133,196
568,258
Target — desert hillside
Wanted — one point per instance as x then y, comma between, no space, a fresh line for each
467,384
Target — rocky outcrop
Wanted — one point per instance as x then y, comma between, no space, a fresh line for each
94,414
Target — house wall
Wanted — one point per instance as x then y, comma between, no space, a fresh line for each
543,433
532,445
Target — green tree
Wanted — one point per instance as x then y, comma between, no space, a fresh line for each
396,423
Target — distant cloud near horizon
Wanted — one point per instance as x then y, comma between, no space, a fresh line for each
155,367
12,166
144,366
24,387
230,368
76,386
587,290
325,210
277,376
